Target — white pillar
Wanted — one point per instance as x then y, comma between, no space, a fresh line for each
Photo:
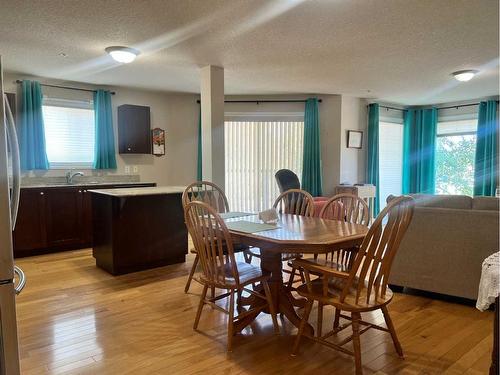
212,120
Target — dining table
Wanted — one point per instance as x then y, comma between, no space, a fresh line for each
291,234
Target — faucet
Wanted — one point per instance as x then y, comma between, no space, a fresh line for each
70,175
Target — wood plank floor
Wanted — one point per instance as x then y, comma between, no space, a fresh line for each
76,319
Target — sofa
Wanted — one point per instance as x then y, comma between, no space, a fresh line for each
446,243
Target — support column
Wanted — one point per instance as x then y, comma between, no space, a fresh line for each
212,128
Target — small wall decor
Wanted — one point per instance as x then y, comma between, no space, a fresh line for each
354,139
158,142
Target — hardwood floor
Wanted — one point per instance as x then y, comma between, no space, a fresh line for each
76,319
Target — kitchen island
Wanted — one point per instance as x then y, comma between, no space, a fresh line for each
138,228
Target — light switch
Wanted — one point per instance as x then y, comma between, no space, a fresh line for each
135,169
127,169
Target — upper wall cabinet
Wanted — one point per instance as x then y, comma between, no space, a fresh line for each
134,129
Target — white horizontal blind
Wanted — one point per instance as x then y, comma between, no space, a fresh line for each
69,133
390,160
254,152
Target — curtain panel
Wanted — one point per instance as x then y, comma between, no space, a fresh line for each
419,144
31,130
311,165
372,165
486,159
105,157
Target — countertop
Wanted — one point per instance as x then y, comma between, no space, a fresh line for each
133,192
80,184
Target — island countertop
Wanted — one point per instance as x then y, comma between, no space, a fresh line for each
133,192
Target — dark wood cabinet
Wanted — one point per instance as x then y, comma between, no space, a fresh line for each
56,218
30,233
134,129
63,217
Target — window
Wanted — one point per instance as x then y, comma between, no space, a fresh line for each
390,160
455,150
69,133
254,152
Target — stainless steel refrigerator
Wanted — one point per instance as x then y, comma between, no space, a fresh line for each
11,278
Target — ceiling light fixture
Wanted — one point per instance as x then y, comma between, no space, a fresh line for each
464,75
121,54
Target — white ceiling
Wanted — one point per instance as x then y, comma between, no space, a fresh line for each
400,51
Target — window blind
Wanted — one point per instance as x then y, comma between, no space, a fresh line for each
390,160
69,133
254,152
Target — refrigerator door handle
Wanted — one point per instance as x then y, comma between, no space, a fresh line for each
22,280
16,163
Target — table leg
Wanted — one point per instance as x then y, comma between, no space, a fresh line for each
494,353
283,299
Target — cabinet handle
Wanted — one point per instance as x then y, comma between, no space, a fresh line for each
129,149
79,191
41,193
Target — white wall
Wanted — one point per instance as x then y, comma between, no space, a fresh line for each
176,113
352,161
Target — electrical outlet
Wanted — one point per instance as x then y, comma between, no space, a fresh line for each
127,169
135,169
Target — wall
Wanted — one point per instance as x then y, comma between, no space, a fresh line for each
177,114
352,160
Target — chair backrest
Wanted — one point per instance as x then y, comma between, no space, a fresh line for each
374,259
212,242
347,207
207,192
295,202
287,180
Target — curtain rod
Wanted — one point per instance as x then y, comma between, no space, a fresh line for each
66,87
438,108
266,101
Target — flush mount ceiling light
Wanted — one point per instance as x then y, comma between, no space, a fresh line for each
464,75
121,54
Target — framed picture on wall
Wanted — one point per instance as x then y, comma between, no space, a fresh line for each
158,141
354,139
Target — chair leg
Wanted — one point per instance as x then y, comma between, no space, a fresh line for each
302,277
290,280
230,323
356,317
272,308
336,321
200,306
303,322
392,330
320,318
191,273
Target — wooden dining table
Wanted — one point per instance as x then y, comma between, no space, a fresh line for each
293,234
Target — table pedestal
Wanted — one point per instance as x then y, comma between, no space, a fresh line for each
284,301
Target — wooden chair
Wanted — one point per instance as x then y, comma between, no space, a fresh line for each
294,202
214,247
351,209
210,193
364,287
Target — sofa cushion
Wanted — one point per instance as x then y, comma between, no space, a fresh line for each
485,203
443,201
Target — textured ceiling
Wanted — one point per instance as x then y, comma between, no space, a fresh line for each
400,51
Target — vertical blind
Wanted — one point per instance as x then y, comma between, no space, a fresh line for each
390,160
254,152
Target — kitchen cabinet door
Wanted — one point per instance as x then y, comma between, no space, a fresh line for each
29,233
64,208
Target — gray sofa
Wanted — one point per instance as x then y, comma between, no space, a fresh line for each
446,243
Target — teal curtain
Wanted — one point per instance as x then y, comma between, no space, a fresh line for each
199,168
486,160
372,166
311,165
31,130
105,157
419,144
